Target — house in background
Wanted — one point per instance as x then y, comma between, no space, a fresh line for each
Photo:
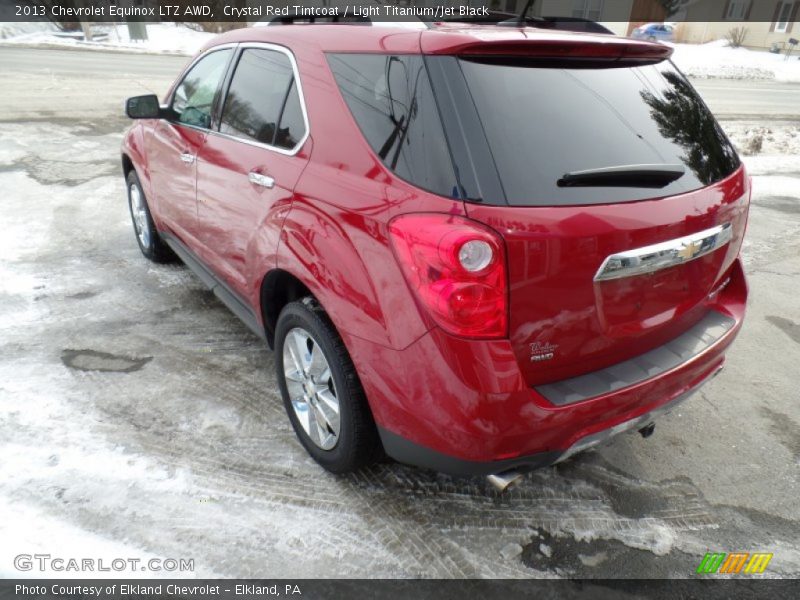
613,14
768,22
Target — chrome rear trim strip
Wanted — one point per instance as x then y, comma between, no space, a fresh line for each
665,254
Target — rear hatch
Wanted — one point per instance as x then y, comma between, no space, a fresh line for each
621,202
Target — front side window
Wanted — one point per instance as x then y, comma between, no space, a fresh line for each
263,103
193,99
390,98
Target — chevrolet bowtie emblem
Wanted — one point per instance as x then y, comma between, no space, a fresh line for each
663,255
688,250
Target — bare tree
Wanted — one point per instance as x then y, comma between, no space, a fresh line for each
68,23
736,36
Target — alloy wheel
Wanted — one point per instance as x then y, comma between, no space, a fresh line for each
311,388
139,213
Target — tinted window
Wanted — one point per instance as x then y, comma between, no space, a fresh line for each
194,97
262,103
541,123
391,100
292,127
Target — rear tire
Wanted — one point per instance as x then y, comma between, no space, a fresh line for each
150,242
321,390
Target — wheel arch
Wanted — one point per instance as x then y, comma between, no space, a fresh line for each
133,157
278,288
127,165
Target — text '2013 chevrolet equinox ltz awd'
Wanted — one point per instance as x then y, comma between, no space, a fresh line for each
477,249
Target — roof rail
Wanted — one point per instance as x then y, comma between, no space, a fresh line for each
301,19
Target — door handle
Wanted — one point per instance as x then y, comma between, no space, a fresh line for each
187,158
261,179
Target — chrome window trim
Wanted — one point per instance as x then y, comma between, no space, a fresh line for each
296,74
655,257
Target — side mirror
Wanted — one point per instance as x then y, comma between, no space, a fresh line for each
143,107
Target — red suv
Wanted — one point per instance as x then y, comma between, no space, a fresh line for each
479,249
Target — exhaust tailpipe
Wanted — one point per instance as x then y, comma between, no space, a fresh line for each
647,430
502,481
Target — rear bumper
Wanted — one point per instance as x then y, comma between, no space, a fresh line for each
463,407
406,451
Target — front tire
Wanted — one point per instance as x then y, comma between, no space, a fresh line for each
150,242
321,390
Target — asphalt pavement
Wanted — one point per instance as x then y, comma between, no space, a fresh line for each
747,99
728,98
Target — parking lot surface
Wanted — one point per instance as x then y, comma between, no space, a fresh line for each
138,417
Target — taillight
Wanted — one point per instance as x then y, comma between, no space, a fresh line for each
457,269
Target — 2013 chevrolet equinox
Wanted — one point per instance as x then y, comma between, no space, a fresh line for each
479,249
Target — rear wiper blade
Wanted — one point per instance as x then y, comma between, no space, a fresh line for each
646,176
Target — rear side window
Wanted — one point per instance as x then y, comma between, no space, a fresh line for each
541,123
263,103
391,100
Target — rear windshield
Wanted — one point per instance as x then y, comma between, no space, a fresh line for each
541,123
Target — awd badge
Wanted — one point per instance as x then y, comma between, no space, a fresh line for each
542,351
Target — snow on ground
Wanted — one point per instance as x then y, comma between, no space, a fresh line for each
37,533
138,419
717,60
163,38
12,30
762,138
767,148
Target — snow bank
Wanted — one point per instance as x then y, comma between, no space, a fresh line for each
717,60
163,38
759,138
12,30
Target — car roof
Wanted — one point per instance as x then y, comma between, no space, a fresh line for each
364,38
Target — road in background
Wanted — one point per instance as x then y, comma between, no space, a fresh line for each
79,84
83,62
75,76
750,99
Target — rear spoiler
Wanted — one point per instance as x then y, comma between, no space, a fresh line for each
590,48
